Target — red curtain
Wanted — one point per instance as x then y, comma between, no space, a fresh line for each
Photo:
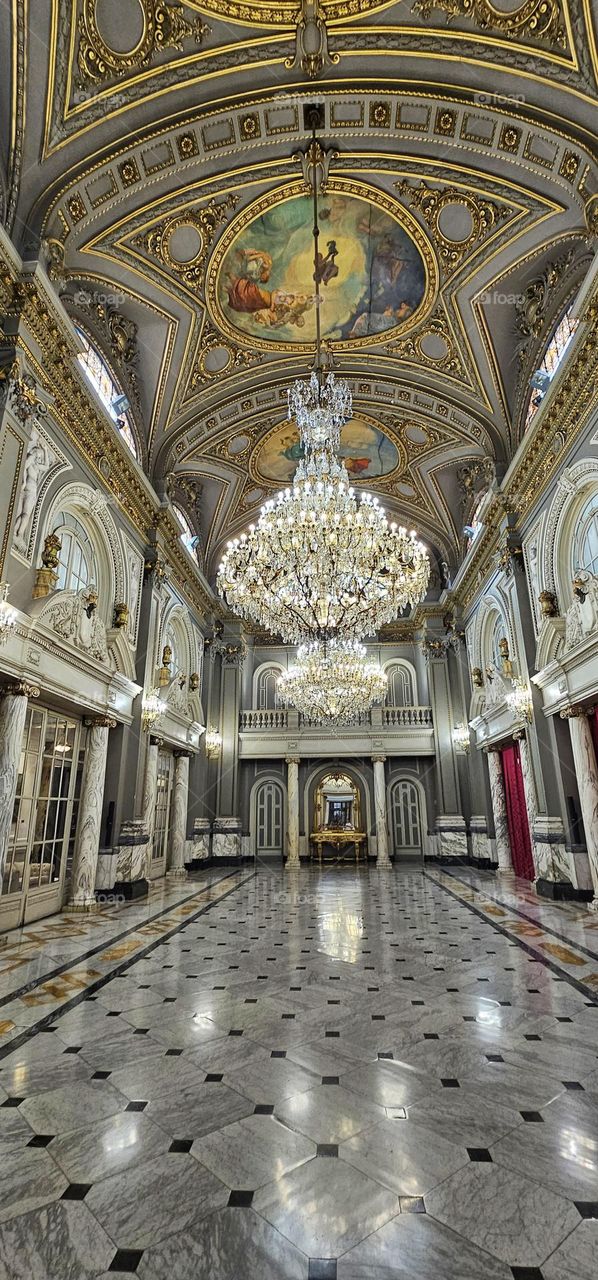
519,836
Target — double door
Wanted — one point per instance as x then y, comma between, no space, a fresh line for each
161,836
42,833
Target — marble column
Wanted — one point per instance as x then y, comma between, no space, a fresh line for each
292,763
529,787
586,769
150,788
499,809
87,840
178,823
382,859
13,712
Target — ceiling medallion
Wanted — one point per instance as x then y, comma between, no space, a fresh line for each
163,26
332,682
192,231
536,20
479,217
322,564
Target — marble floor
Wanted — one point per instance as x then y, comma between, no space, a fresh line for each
337,1073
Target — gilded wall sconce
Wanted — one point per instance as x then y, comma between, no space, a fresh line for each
121,615
548,604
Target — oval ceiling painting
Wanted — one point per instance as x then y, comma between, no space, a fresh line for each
375,275
366,451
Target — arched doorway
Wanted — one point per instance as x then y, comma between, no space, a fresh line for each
406,819
269,819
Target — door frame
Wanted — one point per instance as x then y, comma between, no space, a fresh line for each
253,807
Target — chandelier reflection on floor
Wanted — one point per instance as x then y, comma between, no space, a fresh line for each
332,682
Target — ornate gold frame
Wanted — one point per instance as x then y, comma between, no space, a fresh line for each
343,186
319,801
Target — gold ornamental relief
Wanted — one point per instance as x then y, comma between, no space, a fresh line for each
263,13
377,270
156,26
535,21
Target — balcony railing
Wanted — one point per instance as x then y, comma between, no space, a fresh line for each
421,717
263,721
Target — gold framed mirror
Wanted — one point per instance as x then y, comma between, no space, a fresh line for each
337,805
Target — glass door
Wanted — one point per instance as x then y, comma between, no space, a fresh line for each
44,818
162,815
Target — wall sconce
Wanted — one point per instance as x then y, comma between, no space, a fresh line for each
520,701
477,677
213,743
164,672
152,708
461,739
8,615
503,649
194,682
121,615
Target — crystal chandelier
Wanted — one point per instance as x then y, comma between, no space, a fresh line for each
332,682
322,563
8,615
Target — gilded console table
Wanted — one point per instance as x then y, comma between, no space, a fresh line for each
338,839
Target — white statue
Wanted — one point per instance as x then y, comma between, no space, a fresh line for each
37,462
581,619
496,686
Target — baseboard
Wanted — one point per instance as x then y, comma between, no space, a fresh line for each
563,891
228,860
462,860
129,889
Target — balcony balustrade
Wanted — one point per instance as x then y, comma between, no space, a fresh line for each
264,720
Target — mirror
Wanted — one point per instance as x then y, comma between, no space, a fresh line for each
336,805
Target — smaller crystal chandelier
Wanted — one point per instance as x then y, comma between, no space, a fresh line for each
151,709
520,700
332,682
8,615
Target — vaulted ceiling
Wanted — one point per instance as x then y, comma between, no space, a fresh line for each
157,162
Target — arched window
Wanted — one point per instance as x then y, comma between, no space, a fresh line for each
399,689
267,686
96,370
554,352
189,539
585,551
76,562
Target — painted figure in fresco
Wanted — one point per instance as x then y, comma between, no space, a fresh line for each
326,268
379,321
271,308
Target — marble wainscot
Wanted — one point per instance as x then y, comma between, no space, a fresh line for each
133,849
482,854
226,840
560,873
198,846
452,838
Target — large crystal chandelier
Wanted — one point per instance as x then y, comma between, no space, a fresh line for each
332,682
323,567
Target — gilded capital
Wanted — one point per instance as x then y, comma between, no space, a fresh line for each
21,689
101,722
574,711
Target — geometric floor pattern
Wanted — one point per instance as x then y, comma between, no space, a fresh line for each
340,1073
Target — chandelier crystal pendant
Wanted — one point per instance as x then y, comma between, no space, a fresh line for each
319,408
332,682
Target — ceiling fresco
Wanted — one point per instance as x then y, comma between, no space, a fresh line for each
375,277
367,451
163,176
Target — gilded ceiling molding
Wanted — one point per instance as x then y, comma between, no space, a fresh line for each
157,240
233,359
91,433
287,13
164,27
484,214
554,428
445,357
533,304
536,20
312,55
